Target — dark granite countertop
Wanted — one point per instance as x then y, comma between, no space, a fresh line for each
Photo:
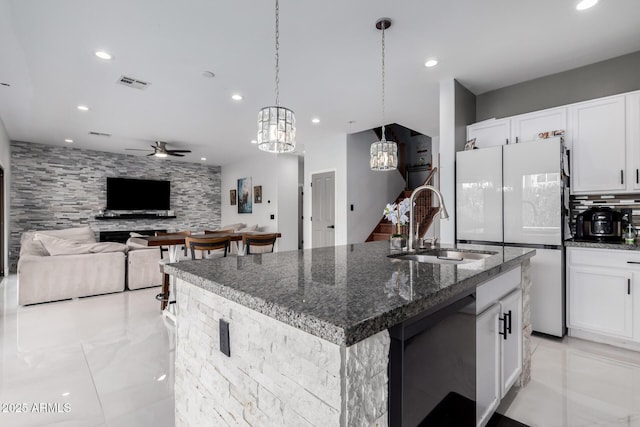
602,245
343,294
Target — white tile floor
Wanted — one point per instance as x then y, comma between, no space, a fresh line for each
576,383
110,359
97,361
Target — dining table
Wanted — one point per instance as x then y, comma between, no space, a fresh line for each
174,243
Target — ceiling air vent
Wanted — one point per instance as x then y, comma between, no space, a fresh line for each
99,134
131,82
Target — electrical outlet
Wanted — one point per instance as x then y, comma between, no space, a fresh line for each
224,338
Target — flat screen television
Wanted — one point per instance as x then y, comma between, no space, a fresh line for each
138,194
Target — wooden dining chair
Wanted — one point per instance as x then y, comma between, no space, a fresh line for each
164,248
207,244
260,241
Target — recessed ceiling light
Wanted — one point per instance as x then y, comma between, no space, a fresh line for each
253,141
65,394
83,108
315,120
203,158
431,63
586,4
68,140
162,377
103,55
236,97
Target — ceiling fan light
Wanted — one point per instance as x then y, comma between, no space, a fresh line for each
160,154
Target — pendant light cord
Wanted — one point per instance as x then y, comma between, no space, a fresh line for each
383,75
278,53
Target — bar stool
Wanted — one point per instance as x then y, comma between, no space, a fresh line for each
163,297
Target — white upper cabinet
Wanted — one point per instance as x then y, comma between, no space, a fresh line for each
526,127
599,146
490,133
633,141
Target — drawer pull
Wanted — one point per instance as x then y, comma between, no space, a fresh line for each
633,262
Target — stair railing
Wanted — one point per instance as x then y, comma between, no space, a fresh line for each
423,211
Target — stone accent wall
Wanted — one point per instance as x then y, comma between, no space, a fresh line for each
277,375
525,376
58,187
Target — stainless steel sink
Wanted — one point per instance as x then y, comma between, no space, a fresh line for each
445,256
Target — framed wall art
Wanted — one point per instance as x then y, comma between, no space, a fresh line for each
245,202
257,194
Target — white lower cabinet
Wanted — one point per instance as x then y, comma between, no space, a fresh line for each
487,364
602,295
498,342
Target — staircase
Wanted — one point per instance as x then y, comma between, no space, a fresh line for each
423,214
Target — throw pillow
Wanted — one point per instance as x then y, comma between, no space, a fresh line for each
131,245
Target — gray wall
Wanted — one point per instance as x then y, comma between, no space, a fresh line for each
5,163
59,187
614,76
465,113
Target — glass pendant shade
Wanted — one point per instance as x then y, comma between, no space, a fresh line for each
384,155
276,130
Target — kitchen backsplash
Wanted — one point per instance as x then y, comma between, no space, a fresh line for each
578,204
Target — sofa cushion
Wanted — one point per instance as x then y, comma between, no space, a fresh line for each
77,234
234,227
57,246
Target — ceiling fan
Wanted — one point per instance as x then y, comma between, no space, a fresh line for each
160,150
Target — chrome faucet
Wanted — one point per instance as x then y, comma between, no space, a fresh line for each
441,208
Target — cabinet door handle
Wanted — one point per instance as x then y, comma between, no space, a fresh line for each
633,262
504,327
516,139
637,177
628,286
621,176
508,328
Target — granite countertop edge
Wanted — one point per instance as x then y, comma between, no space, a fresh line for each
602,245
337,334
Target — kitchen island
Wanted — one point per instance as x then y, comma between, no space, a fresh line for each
308,331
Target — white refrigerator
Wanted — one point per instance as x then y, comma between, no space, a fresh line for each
514,195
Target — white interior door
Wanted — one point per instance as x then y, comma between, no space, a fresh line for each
532,198
479,194
323,210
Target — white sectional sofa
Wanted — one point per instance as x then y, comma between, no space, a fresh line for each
62,264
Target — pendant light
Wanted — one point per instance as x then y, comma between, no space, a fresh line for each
384,154
276,124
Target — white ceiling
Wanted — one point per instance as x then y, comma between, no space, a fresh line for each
329,59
